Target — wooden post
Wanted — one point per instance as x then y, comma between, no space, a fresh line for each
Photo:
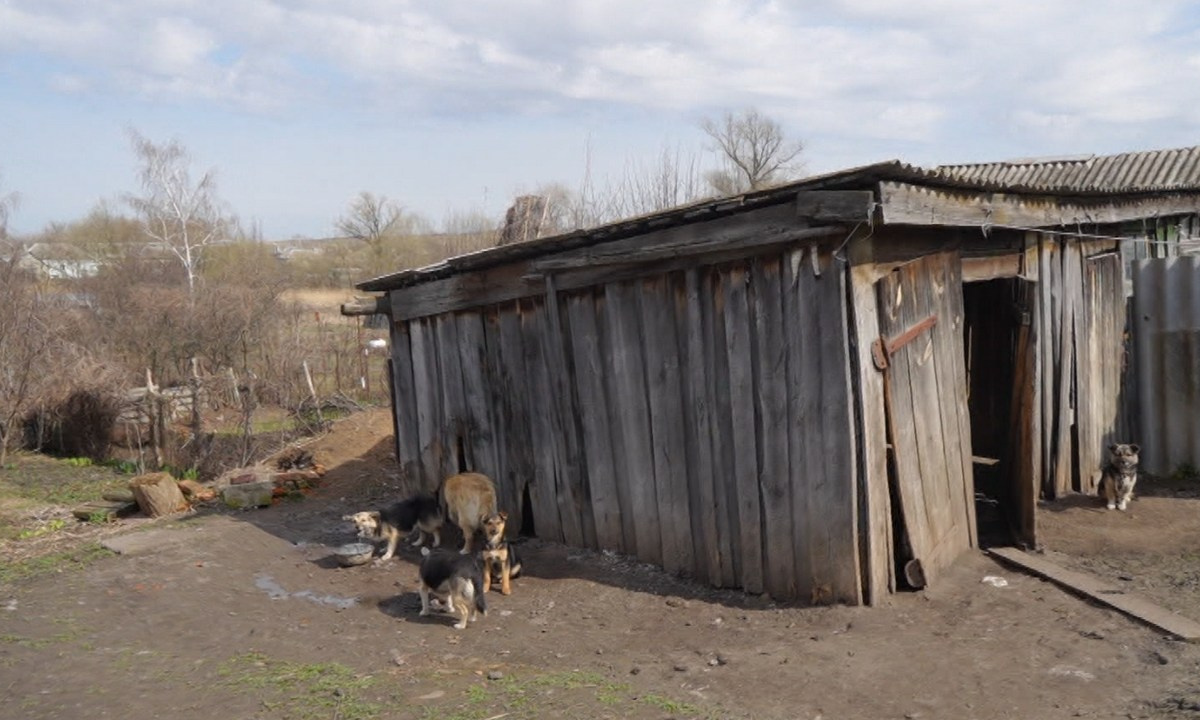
154,413
312,392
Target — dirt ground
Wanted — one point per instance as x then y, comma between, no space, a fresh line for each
244,615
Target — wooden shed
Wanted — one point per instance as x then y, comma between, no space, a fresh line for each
806,391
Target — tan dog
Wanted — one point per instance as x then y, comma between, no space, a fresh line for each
500,561
467,498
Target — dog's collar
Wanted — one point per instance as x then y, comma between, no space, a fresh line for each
497,545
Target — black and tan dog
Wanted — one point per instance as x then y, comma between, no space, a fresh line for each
456,581
500,561
421,512
467,498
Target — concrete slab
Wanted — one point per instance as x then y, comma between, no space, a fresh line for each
140,543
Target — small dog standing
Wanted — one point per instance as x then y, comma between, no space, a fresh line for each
467,498
421,511
500,561
1120,475
455,580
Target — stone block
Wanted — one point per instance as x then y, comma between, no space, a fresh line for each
248,495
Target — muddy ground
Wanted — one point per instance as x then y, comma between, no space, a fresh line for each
245,615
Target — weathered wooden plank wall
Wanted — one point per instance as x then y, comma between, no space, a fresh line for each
1101,364
699,419
1081,348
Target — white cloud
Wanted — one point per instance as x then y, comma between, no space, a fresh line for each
858,79
903,66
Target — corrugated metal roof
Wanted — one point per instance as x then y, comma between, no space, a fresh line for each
1133,172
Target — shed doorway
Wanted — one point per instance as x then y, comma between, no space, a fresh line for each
998,349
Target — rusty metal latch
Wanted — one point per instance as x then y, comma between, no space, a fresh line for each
882,350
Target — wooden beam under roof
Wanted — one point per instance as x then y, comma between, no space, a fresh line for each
907,204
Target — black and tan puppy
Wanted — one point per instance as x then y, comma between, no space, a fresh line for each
456,581
467,498
421,512
500,561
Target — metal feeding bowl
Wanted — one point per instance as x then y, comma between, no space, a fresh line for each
354,553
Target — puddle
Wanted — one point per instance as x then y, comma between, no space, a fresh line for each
275,591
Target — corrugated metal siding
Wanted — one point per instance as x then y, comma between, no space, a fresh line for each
1153,171
1166,296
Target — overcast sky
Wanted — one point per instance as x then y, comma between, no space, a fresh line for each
457,105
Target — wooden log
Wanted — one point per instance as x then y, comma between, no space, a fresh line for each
373,305
157,494
196,492
103,511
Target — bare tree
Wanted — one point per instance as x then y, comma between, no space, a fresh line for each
467,231
183,216
673,180
8,203
377,221
754,151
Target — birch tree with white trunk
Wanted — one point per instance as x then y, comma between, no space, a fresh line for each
182,215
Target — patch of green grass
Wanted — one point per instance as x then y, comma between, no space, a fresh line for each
48,480
71,633
182,473
673,707
100,517
299,690
124,467
47,529
65,561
